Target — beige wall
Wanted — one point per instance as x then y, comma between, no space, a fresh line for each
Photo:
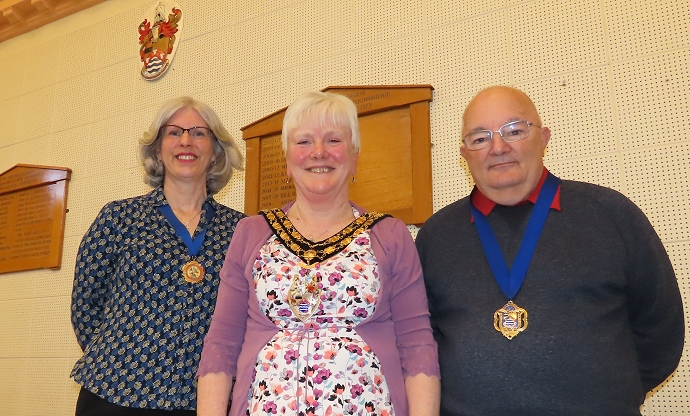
611,78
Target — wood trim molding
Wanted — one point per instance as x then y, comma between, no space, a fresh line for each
20,16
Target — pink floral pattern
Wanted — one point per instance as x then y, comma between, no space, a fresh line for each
321,366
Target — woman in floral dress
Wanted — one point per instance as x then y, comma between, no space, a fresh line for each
322,308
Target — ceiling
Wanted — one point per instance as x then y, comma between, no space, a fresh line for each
21,16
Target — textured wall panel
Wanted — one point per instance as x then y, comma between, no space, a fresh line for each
116,45
321,74
319,29
255,98
653,99
383,20
14,286
602,170
551,37
114,133
245,10
112,89
286,90
13,386
36,112
442,12
9,114
15,326
78,52
12,74
38,66
471,55
34,151
270,45
74,102
198,67
637,28
400,61
51,378
302,36
202,18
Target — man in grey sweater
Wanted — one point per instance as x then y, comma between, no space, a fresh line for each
547,297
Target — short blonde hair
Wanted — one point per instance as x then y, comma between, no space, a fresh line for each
226,154
320,107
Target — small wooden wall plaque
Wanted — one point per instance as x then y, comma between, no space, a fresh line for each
394,169
33,207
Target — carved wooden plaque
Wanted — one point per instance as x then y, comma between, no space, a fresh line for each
33,203
394,169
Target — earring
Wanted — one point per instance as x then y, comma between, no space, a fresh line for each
287,180
353,180
213,162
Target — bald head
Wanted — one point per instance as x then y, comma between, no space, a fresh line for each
496,94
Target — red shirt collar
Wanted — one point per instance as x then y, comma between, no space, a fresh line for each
485,205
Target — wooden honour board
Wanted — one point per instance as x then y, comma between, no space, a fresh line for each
394,169
33,207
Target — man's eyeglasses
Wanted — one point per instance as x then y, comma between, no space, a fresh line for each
171,130
511,132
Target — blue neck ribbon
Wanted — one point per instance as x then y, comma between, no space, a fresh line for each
193,244
510,281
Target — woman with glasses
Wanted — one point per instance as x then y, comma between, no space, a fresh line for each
147,270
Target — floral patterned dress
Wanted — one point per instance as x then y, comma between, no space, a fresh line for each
317,364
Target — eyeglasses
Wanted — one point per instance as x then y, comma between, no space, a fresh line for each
171,130
511,132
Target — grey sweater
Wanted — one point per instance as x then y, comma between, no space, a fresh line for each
605,313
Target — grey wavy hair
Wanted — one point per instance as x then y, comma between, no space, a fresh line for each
226,154
321,107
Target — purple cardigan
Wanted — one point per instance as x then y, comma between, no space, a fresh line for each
398,332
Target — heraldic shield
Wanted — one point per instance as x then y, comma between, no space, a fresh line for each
157,38
510,320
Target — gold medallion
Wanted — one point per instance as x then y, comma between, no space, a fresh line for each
193,271
510,320
304,298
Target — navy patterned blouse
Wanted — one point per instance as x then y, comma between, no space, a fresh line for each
140,324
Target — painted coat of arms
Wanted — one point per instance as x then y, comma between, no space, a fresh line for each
157,38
